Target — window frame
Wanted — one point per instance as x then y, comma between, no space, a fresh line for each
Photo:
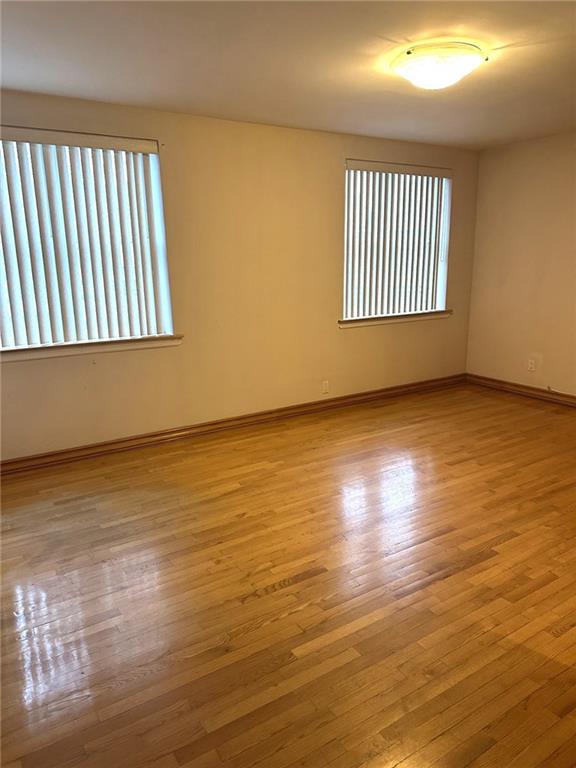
103,141
385,166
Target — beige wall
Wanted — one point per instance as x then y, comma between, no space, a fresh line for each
254,219
524,283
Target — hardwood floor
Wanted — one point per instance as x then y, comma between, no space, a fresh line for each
391,584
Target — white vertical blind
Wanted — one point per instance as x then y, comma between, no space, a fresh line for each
83,245
397,225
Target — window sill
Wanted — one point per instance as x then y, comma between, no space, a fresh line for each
20,354
390,319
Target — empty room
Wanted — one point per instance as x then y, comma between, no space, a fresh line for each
288,379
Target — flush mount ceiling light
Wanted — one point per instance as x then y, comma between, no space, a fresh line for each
438,65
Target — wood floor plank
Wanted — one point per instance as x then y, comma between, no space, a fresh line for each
389,585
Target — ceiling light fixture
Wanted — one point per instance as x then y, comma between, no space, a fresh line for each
438,65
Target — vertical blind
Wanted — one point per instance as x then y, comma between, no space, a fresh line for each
397,223
83,244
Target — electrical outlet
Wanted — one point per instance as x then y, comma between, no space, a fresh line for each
535,362
325,387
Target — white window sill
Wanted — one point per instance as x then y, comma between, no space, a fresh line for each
68,349
390,319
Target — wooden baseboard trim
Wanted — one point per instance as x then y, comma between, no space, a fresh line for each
12,466
551,396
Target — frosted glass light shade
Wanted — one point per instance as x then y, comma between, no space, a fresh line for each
438,65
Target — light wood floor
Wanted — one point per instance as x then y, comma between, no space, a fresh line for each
383,585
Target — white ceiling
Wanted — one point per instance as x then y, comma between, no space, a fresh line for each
304,64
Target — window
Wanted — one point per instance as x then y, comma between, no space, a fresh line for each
83,245
396,240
